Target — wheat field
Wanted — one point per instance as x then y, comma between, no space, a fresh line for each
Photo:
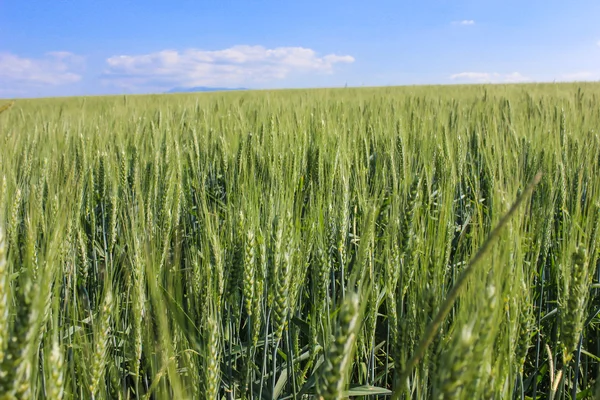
407,243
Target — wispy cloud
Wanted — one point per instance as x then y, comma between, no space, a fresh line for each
464,22
516,77
490,77
580,76
53,69
598,43
238,65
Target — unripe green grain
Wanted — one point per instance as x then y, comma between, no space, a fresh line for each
453,377
138,299
573,308
15,219
101,339
248,279
3,191
4,297
525,329
212,356
280,309
257,310
82,254
333,378
56,380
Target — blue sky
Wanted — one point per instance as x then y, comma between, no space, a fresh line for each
85,47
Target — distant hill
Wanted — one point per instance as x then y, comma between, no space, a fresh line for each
202,89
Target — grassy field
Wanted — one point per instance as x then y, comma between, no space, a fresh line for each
291,244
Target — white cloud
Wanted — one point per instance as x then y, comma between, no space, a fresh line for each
490,77
238,65
53,69
515,77
580,76
598,43
464,22
473,76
